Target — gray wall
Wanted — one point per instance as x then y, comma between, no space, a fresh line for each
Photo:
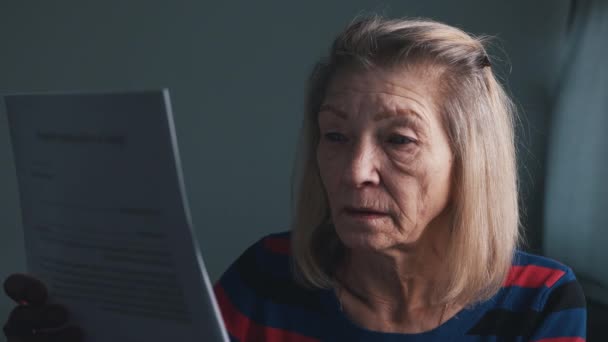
236,71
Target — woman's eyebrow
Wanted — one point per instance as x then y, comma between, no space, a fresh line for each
331,109
405,117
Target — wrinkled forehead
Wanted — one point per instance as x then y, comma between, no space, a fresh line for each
385,89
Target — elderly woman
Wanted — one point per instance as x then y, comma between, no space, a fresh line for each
407,216
406,222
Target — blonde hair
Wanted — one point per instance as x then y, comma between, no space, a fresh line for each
478,117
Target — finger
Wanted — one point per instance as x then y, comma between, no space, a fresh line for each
23,319
24,288
12,335
26,318
19,321
53,316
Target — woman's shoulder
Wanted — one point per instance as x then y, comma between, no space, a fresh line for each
269,258
547,285
533,271
543,285
265,272
540,298
269,255
259,297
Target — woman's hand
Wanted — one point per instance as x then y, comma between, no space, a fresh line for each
34,319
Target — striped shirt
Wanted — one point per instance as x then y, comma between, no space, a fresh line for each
540,301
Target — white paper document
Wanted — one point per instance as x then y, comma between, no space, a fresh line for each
105,217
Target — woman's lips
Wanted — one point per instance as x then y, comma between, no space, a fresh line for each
364,213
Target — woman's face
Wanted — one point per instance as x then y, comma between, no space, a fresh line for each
384,157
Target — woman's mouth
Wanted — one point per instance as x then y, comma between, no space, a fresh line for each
364,213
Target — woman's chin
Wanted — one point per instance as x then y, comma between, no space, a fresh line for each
365,236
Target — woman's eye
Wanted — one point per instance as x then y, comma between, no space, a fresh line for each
400,140
335,137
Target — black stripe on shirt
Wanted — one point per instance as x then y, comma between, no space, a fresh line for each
567,296
503,322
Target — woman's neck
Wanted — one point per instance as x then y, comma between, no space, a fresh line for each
408,278
396,290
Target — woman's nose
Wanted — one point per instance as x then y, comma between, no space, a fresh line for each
362,166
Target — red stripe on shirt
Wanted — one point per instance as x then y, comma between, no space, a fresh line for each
562,339
533,276
245,330
277,245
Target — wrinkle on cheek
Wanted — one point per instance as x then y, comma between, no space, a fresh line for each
406,162
407,166
411,223
424,198
403,193
410,192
